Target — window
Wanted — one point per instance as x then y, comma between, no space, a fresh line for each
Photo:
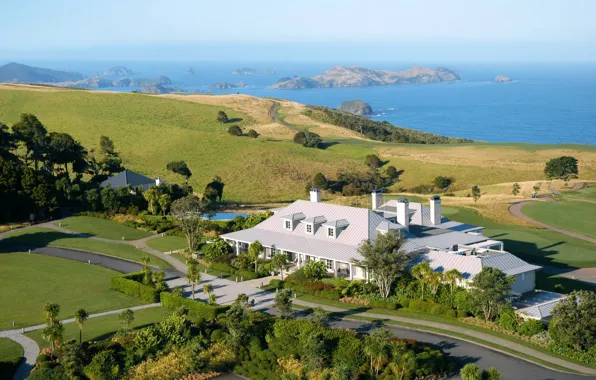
329,264
330,232
523,276
309,228
288,225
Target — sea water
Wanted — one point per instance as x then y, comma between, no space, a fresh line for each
544,103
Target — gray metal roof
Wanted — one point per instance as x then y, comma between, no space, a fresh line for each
128,178
541,311
341,223
294,216
440,239
470,266
315,220
538,304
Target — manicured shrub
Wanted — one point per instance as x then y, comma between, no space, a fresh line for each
530,327
42,358
507,320
222,267
128,285
451,313
405,302
462,313
436,310
196,309
217,335
277,284
419,305
246,274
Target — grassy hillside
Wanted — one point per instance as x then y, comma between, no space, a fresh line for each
150,131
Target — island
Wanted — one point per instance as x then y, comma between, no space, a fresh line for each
356,107
154,89
355,76
226,85
19,73
118,71
245,71
502,79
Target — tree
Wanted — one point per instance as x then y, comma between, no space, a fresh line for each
319,316
179,167
81,317
452,277
471,372
491,374
72,359
392,172
421,272
188,213
237,321
222,117
51,310
32,134
164,200
573,320
376,347
109,161
152,198
441,182
315,270
315,352
434,280
214,190
280,261
564,168
475,193
403,361
373,161
254,253
252,134
103,366
515,189
217,248
283,302
235,130
319,181
53,333
489,290
193,276
212,299
207,289
126,317
384,259
308,139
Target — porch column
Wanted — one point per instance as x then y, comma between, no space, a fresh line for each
237,247
351,272
334,268
366,274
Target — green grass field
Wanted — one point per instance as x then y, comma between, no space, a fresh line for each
29,281
11,354
102,228
42,237
168,243
574,211
104,327
537,245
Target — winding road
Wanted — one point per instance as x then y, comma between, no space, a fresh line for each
462,351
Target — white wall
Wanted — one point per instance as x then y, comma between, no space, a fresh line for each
524,282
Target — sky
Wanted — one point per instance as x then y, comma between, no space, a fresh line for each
520,30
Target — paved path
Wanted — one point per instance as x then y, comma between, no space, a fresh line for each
580,274
516,208
30,347
462,330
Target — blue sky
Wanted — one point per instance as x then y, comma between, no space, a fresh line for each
521,30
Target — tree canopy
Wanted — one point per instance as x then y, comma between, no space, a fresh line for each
489,290
573,323
564,168
179,167
308,139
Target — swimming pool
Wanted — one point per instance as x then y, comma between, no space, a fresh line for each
225,215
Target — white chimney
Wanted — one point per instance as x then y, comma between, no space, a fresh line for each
403,212
377,198
435,210
315,195
157,181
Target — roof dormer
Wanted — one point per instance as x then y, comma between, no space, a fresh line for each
291,221
311,225
335,227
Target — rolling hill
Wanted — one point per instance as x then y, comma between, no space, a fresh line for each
18,73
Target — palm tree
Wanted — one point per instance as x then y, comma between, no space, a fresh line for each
80,317
145,261
207,289
376,346
420,272
403,361
212,299
434,280
280,261
254,253
178,291
51,310
53,333
193,276
451,277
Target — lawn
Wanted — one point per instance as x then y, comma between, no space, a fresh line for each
11,354
537,245
29,281
168,243
47,237
102,228
101,328
575,211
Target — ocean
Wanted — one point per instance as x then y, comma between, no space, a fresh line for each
544,103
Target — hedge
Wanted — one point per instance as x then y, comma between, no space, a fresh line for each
246,274
584,356
196,309
432,308
276,284
127,284
222,267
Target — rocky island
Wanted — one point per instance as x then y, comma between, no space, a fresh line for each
118,71
19,73
502,79
245,71
355,76
226,85
356,107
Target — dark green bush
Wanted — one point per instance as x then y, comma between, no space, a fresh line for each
127,284
196,309
405,302
530,327
462,313
436,310
277,284
507,320
42,358
383,304
222,267
451,313
419,305
217,335
247,275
